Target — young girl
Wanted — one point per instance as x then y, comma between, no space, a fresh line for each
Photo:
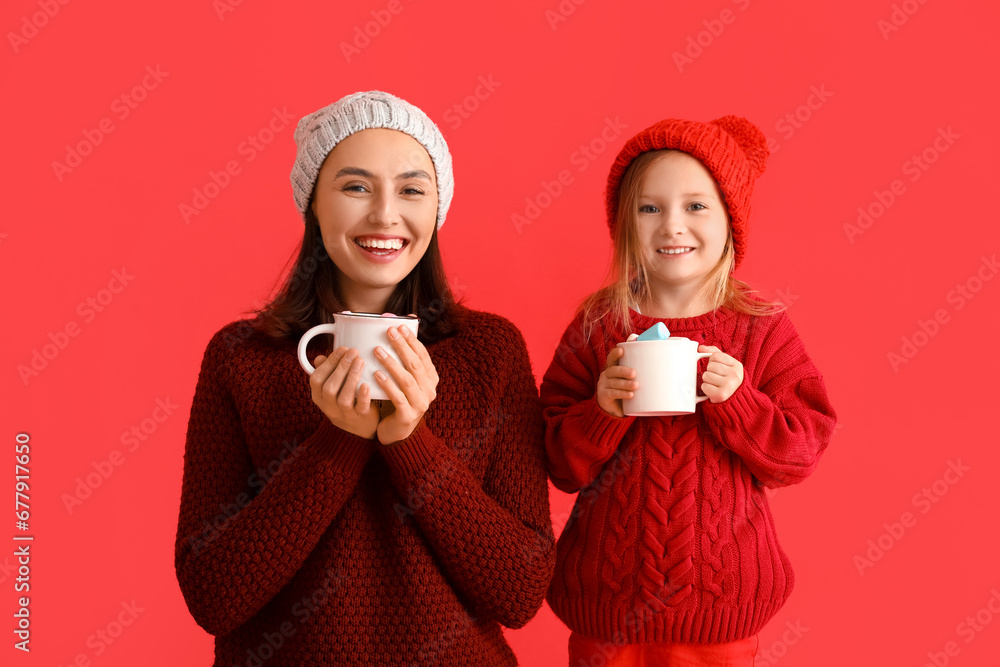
671,556
317,528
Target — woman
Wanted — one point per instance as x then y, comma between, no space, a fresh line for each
320,527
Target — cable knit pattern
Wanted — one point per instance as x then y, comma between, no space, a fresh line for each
706,566
301,544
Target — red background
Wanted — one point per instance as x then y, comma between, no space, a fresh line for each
886,94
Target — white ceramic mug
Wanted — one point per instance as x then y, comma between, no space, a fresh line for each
362,331
667,373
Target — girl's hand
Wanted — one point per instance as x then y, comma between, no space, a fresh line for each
615,383
334,383
723,376
417,384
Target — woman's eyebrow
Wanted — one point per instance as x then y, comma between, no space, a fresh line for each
364,173
415,173
354,171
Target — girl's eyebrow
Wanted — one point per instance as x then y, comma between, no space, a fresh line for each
364,173
685,195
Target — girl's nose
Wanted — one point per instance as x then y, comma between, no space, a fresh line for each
672,222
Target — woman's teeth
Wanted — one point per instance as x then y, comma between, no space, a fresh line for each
380,244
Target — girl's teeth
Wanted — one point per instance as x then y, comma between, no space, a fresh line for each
676,252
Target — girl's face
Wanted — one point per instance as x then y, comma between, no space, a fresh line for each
376,203
681,222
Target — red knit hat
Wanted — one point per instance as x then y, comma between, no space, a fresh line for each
732,148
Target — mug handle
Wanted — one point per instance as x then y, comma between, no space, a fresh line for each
329,328
701,355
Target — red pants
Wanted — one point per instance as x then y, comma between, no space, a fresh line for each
587,652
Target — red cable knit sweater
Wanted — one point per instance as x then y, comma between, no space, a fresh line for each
671,538
301,544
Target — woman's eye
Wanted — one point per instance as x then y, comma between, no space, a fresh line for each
648,208
413,191
354,187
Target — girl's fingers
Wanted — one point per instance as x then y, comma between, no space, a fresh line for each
619,372
620,393
613,356
623,384
713,378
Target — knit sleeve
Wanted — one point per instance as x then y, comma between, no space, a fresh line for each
494,539
240,539
580,436
780,421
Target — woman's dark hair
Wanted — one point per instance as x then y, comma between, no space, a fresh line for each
309,294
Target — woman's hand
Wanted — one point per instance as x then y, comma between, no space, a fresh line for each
615,383
334,383
723,376
417,384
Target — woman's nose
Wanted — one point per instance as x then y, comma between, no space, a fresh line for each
385,208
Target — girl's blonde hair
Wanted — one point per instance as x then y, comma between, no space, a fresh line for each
629,271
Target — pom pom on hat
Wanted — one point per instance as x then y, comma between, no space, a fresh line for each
733,149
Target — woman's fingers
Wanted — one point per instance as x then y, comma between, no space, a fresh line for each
407,384
348,391
394,393
422,354
325,368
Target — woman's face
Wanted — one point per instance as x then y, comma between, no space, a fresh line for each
681,222
376,203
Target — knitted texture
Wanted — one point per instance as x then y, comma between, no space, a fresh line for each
302,544
319,132
732,148
706,566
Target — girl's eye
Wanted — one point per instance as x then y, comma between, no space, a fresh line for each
648,208
697,206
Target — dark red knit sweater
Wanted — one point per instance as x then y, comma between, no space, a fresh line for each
671,538
301,544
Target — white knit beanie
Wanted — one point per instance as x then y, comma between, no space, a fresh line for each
317,134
